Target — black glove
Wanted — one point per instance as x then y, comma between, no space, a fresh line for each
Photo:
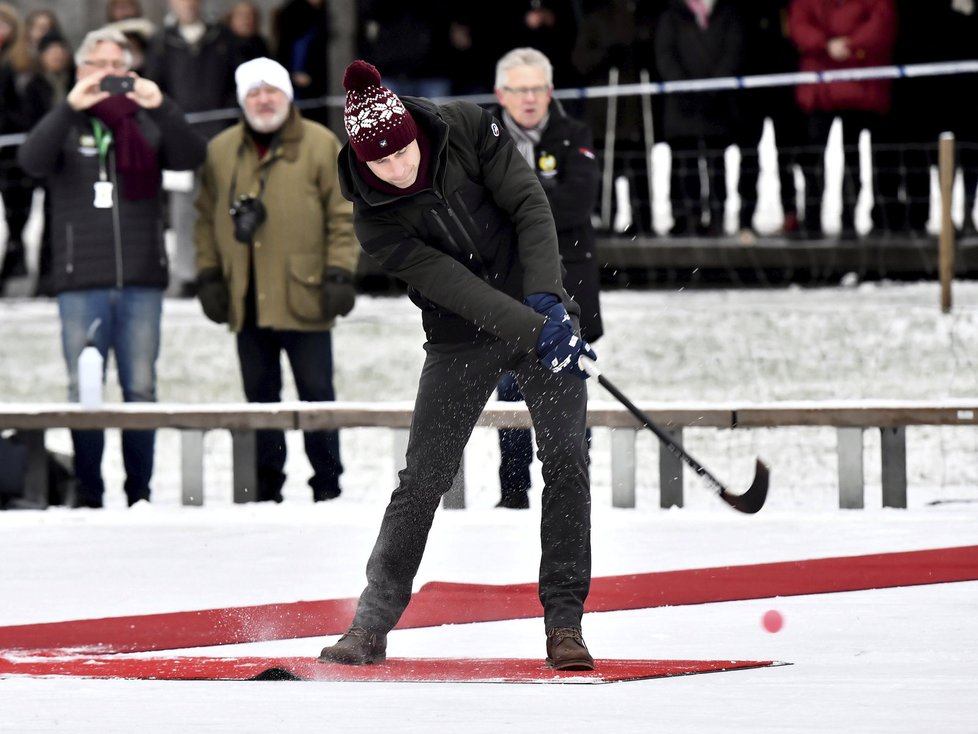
338,293
212,292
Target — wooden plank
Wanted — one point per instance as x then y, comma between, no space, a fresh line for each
244,467
851,477
192,467
671,473
893,451
858,414
144,416
623,467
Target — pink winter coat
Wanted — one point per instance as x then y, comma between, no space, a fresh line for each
870,26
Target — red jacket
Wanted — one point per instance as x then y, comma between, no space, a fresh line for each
870,26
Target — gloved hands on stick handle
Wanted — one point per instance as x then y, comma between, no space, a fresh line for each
558,347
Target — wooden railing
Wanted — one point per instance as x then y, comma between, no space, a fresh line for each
849,418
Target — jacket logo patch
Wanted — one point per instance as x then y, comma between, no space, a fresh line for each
495,129
547,162
382,143
586,153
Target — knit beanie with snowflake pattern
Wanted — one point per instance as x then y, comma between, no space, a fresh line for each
375,118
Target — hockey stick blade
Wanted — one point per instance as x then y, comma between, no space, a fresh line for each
749,502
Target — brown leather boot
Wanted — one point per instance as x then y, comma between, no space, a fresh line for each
566,650
357,647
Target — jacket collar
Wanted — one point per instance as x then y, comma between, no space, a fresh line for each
292,132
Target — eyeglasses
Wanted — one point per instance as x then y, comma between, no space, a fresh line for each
523,91
114,65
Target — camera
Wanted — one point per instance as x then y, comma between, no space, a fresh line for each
248,213
117,84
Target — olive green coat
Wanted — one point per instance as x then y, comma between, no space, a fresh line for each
309,225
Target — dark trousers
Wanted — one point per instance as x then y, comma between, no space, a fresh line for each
456,382
689,201
515,446
789,132
310,355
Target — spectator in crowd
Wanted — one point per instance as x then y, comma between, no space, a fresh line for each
905,145
301,32
699,39
768,50
279,268
838,35
14,263
961,118
443,200
618,35
412,39
20,64
934,32
485,31
244,22
193,62
101,156
116,10
23,54
559,149
46,88
139,32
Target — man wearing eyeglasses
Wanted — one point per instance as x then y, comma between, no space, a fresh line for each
559,150
101,152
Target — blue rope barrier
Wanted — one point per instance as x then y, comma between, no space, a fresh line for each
754,81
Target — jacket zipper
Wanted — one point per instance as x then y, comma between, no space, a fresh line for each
446,231
70,237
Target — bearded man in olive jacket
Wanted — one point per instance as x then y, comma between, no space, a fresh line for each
278,269
444,201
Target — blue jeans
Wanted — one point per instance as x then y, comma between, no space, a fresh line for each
130,329
310,354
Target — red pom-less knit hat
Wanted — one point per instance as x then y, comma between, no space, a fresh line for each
376,120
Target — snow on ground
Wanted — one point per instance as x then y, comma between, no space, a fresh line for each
894,660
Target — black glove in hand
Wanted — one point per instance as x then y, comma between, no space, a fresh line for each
338,293
212,292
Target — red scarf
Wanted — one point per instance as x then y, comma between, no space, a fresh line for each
136,159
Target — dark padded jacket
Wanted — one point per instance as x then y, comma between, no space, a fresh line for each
105,248
565,163
472,246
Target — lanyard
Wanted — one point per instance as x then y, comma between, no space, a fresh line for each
103,139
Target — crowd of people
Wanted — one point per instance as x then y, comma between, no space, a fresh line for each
435,48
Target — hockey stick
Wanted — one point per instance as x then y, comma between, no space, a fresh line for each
749,502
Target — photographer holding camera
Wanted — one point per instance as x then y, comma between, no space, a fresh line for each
101,152
275,257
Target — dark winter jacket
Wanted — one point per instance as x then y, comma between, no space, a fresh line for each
567,168
197,77
472,246
684,51
302,36
870,26
105,248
